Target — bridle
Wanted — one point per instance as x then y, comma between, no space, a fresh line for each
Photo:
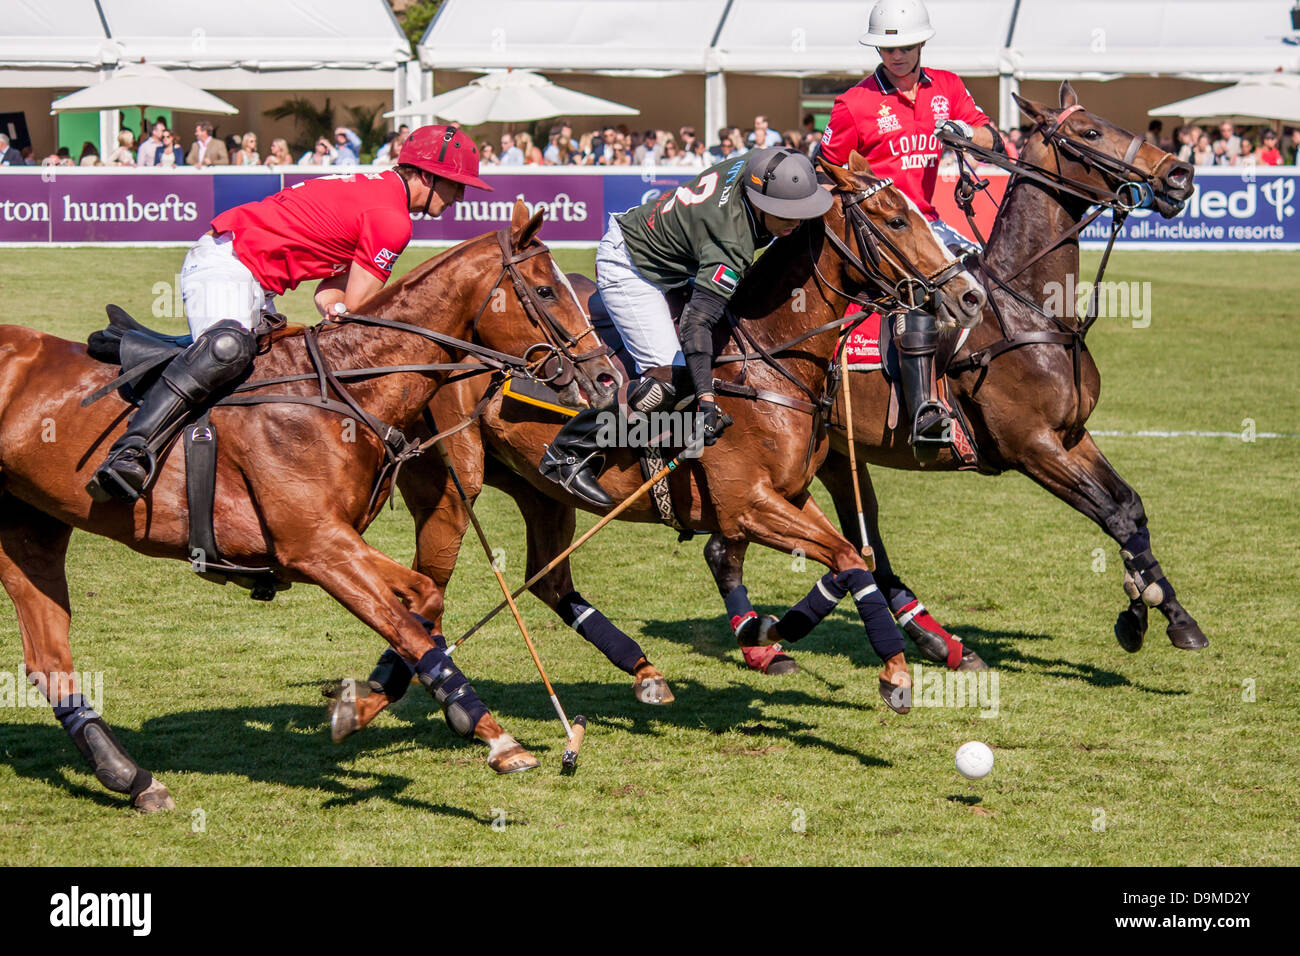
554,361
914,291
1127,187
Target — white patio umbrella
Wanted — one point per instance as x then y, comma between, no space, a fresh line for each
1267,97
139,84
512,96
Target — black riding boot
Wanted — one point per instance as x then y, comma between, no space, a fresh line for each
931,424
220,357
574,458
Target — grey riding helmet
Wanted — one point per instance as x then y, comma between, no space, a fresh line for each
781,181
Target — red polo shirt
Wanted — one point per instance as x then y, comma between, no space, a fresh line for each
895,134
318,228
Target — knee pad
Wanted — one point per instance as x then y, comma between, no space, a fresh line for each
222,355
651,395
916,333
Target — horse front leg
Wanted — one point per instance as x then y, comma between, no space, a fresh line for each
932,639
379,592
1083,478
771,520
550,526
726,560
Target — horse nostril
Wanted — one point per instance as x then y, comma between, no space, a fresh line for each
605,380
972,301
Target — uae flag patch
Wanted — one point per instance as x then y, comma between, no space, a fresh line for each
725,278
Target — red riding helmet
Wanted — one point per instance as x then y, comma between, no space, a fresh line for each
443,151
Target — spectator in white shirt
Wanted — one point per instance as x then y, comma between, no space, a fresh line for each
763,134
149,149
511,155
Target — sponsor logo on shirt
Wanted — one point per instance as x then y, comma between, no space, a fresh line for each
385,259
730,181
940,106
725,278
887,121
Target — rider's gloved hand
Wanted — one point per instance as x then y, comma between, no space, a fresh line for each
954,128
714,422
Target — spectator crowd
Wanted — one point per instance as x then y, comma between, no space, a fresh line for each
1224,145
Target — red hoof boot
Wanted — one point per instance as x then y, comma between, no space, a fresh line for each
769,660
934,641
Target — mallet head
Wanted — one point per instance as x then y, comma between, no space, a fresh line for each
569,763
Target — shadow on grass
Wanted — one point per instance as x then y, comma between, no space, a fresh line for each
842,635
289,745
284,744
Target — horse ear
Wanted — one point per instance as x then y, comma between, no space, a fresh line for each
840,177
1035,111
524,228
858,164
1068,96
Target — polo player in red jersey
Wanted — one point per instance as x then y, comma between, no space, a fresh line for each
892,118
346,231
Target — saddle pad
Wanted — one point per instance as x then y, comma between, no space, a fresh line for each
863,347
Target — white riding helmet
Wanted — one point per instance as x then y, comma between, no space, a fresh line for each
895,23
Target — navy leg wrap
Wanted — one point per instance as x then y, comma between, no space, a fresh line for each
599,631
107,758
1144,564
808,613
392,675
739,610
443,679
885,638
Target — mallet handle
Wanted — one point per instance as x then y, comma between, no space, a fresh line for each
868,555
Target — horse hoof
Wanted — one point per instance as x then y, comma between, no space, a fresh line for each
508,756
344,718
1187,637
769,660
654,690
1131,626
896,696
970,661
154,798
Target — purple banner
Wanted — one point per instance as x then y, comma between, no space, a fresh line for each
138,208
24,209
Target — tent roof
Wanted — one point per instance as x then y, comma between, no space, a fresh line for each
821,36
214,35
609,35
1198,39
1037,39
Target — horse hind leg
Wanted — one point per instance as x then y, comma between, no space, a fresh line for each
33,552
934,641
726,560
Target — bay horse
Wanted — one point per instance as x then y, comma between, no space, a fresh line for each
753,484
294,490
1015,380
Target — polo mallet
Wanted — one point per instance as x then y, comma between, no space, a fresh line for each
569,763
868,555
555,562
572,737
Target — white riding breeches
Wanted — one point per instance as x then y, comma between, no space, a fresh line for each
636,306
949,236
216,286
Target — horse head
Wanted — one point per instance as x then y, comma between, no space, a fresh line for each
1088,150
903,257
536,314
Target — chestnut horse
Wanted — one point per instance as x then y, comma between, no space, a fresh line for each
753,484
1024,403
293,492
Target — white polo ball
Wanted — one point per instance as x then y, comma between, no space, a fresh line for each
974,760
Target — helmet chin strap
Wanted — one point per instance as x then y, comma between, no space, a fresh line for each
424,213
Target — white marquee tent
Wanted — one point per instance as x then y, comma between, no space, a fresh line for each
1212,40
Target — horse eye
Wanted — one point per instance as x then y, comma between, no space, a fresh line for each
546,292
1092,134
898,223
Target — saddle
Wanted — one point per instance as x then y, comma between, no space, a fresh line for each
871,348
143,353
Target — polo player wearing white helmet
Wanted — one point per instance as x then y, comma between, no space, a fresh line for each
892,118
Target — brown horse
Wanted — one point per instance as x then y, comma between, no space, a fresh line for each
1023,404
752,485
294,490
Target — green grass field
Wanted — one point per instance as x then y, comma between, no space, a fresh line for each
1103,758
